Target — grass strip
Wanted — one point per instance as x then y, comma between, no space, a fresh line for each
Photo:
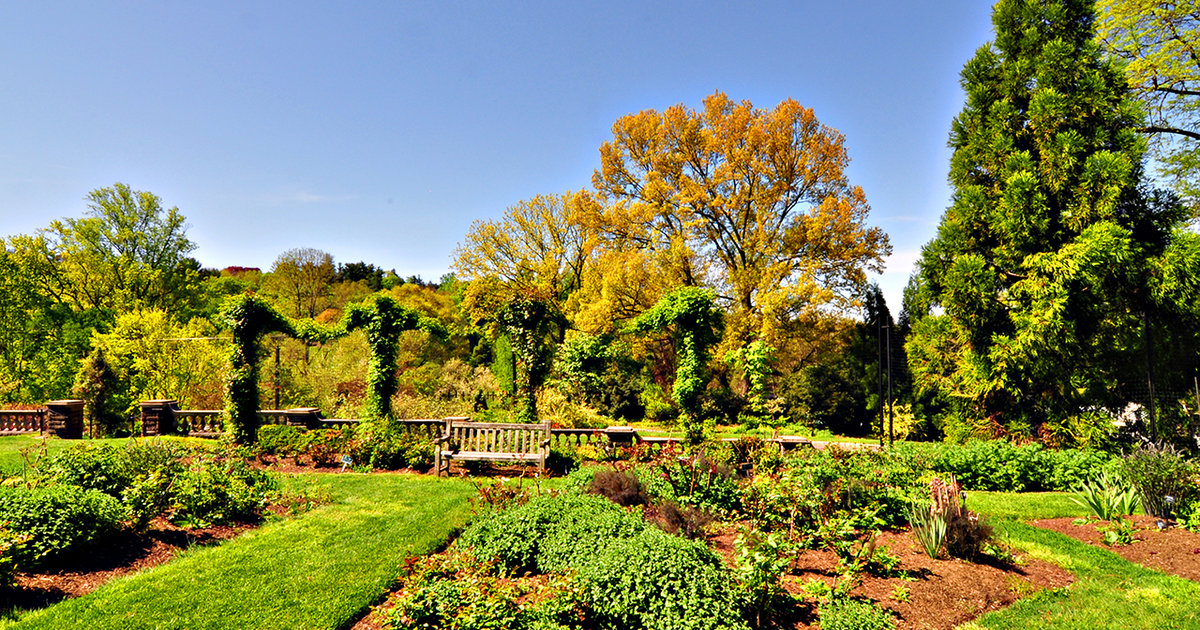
12,461
1023,506
1110,592
320,570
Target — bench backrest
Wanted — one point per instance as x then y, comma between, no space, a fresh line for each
497,437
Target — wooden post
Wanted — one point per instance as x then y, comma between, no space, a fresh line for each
544,446
437,448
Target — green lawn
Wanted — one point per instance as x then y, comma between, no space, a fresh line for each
1024,506
1110,593
12,460
319,570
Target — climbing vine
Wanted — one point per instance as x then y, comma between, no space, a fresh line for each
383,319
527,322
692,316
755,362
249,317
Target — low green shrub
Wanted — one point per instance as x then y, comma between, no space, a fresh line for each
852,614
691,479
110,469
869,489
455,591
214,491
147,497
1003,466
282,440
389,448
325,445
761,563
1165,480
59,519
10,543
660,582
549,533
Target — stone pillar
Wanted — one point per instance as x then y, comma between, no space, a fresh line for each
158,416
620,435
305,417
64,418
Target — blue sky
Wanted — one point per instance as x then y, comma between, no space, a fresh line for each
378,131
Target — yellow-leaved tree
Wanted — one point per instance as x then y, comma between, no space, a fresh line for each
521,269
752,202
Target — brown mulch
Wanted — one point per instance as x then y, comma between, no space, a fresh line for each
1171,550
944,593
123,554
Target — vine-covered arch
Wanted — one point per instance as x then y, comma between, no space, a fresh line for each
249,318
383,319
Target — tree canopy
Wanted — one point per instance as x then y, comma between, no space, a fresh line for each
127,251
754,203
302,277
1036,281
1159,43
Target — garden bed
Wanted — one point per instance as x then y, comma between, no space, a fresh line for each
931,594
1173,550
126,553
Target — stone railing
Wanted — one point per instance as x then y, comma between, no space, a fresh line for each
13,421
62,418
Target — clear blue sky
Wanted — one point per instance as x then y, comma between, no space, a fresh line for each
378,131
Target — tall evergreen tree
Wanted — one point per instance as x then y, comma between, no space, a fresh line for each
1036,283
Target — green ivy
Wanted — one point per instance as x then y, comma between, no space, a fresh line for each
249,317
692,316
527,322
755,361
383,320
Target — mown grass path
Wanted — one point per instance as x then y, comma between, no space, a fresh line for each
1110,592
320,570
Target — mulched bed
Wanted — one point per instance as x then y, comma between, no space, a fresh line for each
126,553
1172,550
944,593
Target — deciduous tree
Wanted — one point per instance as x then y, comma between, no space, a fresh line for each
127,252
1159,42
537,245
752,202
302,277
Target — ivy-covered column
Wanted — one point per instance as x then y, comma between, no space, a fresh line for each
383,319
249,318
527,322
692,316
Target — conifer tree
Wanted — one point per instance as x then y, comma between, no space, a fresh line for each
1036,281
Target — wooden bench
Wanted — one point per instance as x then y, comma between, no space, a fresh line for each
491,441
